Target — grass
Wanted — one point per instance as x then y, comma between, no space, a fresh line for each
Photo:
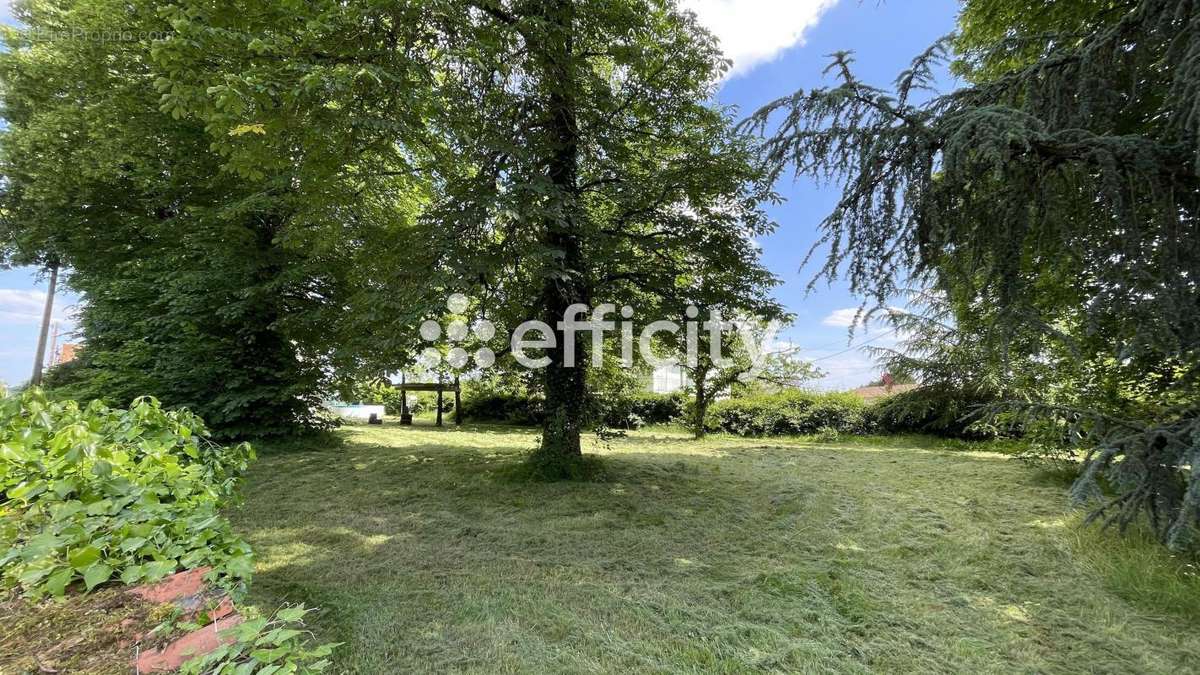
727,555
93,633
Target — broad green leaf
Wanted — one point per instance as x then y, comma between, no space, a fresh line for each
96,575
132,544
84,557
133,574
291,614
56,584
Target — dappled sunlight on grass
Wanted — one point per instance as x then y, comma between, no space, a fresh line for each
727,554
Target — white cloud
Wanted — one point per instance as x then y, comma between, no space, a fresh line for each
24,306
756,31
841,318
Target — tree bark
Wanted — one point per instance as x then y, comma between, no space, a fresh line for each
564,282
457,402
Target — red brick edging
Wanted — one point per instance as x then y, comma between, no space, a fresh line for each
187,590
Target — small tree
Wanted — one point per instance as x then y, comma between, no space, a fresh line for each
748,359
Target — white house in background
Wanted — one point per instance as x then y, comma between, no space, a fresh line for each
668,379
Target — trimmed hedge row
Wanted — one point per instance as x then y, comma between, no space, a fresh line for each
509,408
639,409
789,413
926,410
626,412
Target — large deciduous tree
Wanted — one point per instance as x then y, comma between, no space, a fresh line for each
1053,201
569,149
187,285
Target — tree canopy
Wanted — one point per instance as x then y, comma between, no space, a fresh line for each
331,172
1053,201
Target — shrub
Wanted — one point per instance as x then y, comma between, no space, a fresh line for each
496,406
624,411
789,412
939,410
633,410
92,494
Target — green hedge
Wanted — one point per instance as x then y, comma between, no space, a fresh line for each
92,494
636,410
510,408
631,411
788,413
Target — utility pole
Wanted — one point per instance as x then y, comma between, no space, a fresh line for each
40,358
53,344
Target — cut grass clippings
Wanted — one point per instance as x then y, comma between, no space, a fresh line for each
95,633
727,555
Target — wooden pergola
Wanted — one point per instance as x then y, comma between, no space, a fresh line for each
440,386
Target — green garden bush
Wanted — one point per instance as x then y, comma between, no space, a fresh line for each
508,407
624,411
637,409
89,494
789,412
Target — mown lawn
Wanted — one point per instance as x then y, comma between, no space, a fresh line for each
730,555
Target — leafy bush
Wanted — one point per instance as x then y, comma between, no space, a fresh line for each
789,412
623,411
939,410
92,494
265,645
512,408
632,410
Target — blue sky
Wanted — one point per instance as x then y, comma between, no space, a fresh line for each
778,46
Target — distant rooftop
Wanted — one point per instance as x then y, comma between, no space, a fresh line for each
872,393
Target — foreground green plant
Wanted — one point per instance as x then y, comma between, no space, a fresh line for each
275,645
89,494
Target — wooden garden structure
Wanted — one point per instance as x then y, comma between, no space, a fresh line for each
440,386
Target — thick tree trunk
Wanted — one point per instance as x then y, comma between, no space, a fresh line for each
564,283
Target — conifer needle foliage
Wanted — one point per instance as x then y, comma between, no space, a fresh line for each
1053,200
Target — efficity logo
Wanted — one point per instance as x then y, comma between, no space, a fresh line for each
456,334
528,342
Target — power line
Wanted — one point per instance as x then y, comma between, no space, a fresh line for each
838,342
854,347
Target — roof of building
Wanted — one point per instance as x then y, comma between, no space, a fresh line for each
872,393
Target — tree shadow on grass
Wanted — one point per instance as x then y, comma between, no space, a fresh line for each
423,552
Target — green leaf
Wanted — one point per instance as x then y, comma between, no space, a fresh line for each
269,655
99,508
84,557
132,544
96,575
64,487
240,566
57,583
133,574
26,490
291,614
